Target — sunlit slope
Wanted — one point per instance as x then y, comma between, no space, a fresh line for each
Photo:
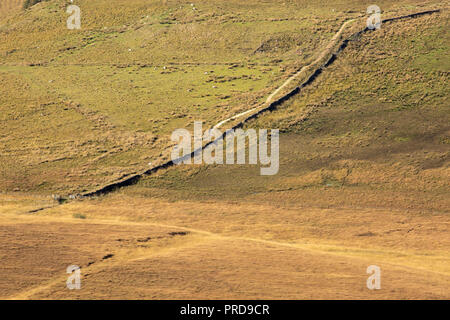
364,167
84,107
364,163
376,122
141,260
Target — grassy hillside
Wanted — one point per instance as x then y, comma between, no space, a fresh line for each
364,151
376,120
101,102
364,173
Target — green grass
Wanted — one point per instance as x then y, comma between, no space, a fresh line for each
374,126
87,106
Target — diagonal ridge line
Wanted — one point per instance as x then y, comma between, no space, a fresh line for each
272,106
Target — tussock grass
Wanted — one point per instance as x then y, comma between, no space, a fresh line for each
364,161
101,102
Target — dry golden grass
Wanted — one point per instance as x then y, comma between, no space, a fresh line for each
219,256
35,251
364,165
